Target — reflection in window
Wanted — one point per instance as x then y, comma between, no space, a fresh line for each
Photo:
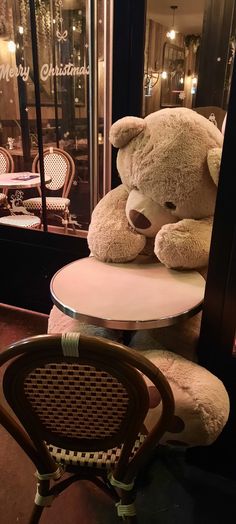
62,31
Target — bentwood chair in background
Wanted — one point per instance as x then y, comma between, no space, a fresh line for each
81,402
213,113
61,168
6,166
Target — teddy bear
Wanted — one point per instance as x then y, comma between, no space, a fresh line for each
169,165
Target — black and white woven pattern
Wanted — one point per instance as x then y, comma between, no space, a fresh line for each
57,167
3,163
52,203
77,401
100,459
21,221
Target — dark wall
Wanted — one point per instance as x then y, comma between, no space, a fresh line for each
29,259
128,63
218,26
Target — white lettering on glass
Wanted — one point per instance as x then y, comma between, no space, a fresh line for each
7,72
47,70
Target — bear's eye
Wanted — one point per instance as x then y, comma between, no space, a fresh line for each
170,205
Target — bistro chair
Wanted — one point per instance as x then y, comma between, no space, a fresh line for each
213,113
6,166
59,165
81,402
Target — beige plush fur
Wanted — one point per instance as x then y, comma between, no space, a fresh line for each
201,401
169,165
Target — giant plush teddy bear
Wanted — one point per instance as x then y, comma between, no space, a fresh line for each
169,166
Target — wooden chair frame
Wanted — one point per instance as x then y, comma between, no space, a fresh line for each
68,178
9,169
10,162
120,363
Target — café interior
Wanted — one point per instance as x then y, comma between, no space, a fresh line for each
117,372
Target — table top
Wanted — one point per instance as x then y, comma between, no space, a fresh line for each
22,180
126,296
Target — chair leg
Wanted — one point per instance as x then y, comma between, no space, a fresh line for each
36,514
43,490
66,220
128,499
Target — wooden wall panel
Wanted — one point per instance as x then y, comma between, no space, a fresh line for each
218,26
155,41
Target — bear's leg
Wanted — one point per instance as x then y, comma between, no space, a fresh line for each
58,322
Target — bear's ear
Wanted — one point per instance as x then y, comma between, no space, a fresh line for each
213,161
125,129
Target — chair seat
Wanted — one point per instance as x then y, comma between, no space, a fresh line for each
98,459
52,203
21,221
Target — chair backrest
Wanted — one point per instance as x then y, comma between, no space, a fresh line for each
60,166
213,113
6,161
81,393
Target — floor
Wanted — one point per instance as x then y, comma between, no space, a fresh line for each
172,492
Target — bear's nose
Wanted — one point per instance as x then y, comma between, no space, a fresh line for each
139,220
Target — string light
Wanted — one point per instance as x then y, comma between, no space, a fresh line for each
164,75
11,46
172,33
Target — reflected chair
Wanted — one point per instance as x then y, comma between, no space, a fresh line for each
6,166
28,221
81,402
213,113
59,165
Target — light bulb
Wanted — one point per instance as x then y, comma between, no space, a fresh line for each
194,81
21,29
171,34
164,75
11,46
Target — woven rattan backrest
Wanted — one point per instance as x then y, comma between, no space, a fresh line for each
76,402
59,166
6,161
81,382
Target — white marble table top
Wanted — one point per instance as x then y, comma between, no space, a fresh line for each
126,296
21,180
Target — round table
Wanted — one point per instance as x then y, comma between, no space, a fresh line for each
127,296
22,180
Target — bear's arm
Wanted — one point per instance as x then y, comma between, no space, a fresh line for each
185,244
110,237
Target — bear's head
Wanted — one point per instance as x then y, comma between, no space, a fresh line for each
169,163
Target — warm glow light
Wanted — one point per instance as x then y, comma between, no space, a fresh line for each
74,28
11,46
21,29
171,34
181,80
194,81
164,75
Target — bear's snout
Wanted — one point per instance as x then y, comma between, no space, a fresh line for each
139,220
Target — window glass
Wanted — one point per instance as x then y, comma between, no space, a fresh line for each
63,56
188,64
